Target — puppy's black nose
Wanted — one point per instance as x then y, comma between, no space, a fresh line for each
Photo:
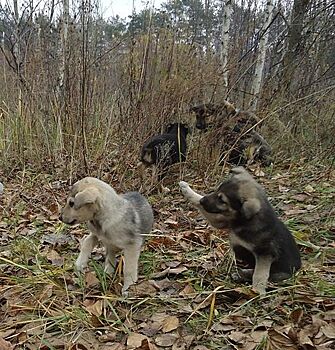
200,126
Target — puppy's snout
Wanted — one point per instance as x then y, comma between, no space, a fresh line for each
200,126
60,217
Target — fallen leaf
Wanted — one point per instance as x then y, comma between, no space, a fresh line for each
278,340
237,337
134,340
55,258
163,284
296,315
146,345
165,340
304,338
91,279
187,291
329,330
5,345
258,336
95,308
169,271
152,329
170,323
113,346
144,288
183,343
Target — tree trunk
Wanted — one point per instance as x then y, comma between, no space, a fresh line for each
63,76
261,55
293,41
228,9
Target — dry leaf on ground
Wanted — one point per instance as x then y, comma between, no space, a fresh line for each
134,340
94,308
166,340
170,323
5,345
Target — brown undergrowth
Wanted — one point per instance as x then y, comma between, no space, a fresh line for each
184,298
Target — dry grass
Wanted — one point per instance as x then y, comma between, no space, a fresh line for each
184,297
184,272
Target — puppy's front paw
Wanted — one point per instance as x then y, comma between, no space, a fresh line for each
125,292
184,187
80,265
259,289
183,184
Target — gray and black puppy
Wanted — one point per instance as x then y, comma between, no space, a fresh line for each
118,221
258,237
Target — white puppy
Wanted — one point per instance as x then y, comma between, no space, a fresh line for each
118,221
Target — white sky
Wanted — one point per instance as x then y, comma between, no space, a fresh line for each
124,8
108,8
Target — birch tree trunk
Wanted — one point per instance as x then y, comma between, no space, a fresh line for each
63,86
261,55
17,52
63,76
227,12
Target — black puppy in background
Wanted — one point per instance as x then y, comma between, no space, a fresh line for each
166,149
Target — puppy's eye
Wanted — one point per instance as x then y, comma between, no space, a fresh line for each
71,203
222,200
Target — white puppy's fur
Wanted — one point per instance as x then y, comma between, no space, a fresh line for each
118,221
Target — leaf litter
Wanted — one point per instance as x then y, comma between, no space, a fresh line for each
184,298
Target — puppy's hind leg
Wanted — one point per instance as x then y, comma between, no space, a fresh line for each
242,275
280,276
261,273
86,248
131,256
110,259
189,194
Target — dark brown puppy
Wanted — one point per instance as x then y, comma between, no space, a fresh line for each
231,129
257,236
216,115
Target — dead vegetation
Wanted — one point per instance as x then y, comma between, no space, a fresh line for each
114,94
184,298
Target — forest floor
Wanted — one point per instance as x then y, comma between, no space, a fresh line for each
185,298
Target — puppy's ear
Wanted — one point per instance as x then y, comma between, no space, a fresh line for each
88,196
237,170
251,207
168,127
